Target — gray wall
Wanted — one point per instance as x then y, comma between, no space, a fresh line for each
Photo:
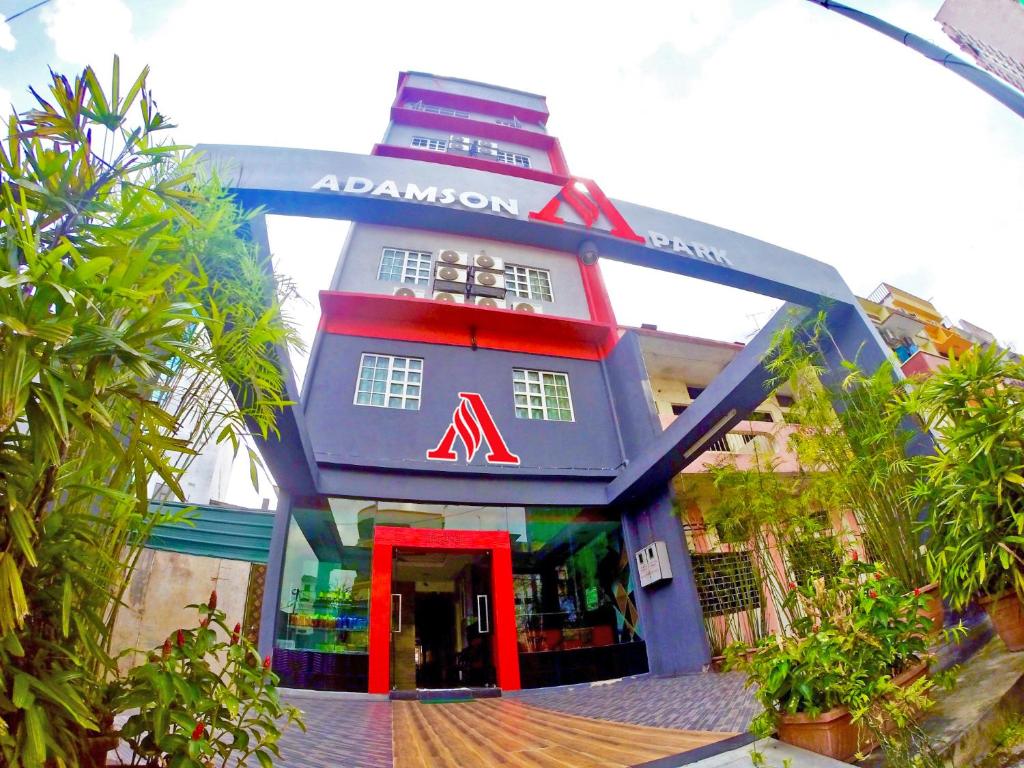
360,263
401,136
346,434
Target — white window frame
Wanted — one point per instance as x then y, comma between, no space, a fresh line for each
433,109
398,373
411,268
431,143
512,283
531,393
511,158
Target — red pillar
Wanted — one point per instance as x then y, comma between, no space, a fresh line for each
506,649
380,618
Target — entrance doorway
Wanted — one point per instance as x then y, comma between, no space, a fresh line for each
442,635
442,611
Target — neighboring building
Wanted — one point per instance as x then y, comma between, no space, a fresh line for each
917,332
992,31
736,602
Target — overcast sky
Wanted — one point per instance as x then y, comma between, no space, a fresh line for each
775,118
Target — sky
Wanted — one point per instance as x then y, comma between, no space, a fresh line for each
775,118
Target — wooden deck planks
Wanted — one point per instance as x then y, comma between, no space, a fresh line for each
507,732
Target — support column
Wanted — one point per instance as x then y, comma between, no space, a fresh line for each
504,615
380,618
670,614
271,608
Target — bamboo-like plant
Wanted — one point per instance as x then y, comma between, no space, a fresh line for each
974,483
122,271
855,436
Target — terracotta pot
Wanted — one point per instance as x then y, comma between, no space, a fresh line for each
717,663
833,733
935,610
1007,616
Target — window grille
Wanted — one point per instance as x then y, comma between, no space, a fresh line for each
389,382
402,266
542,395
528,283
726,582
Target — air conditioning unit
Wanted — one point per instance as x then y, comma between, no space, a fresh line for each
409,293
450,274
453,258
491,263
488,301
450,296
491,280
525,305
486,148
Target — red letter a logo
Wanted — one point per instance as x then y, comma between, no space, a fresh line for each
587,209
473,424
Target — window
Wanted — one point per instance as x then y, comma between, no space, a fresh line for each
435,110
694,392
542,395
726,582
678,408
513,123
511,158
812,557
760,416
390,382
425,142
403,266
784,401
528,283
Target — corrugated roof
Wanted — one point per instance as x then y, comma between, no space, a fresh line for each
224,532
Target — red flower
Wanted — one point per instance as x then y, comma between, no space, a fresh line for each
205,622
266,662
878,575
872,594
167,648
917,591
236,633
792,585
213,600
181,638
854,555
197,732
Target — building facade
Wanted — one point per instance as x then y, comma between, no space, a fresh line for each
476,480
442,350
992,31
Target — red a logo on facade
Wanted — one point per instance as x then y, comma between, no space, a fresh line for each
587,208
473,424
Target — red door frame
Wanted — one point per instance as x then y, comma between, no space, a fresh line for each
503,609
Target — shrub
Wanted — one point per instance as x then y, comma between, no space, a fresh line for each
850,639
204,695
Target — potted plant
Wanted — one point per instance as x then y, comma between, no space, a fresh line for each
848,669
204,696
973,484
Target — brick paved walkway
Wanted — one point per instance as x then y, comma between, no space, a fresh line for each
357,733
341,733
708,702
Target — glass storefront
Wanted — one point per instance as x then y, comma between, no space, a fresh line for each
575,616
